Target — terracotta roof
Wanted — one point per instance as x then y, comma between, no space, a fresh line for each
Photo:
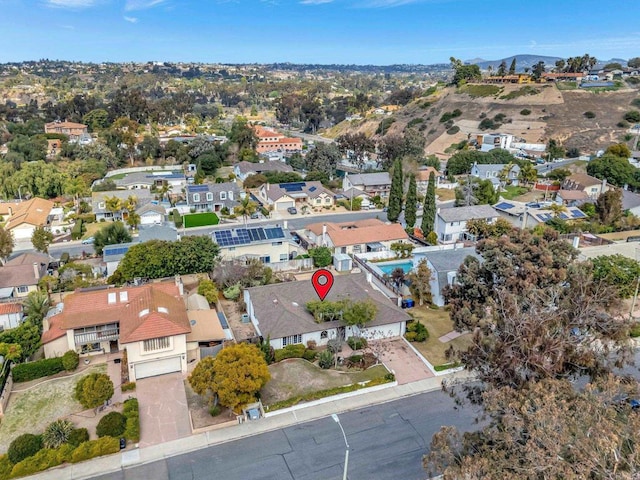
149,311
582,180
5,206
55,329
423,175
33,212
205,326
359,232
280,307
53,125
6,308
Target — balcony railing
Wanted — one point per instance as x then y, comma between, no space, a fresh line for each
96,337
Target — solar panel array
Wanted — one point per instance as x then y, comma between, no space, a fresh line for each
116,251
578,214
244,236
504,206
292,187
198,188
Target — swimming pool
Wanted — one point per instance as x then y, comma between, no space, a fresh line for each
387,268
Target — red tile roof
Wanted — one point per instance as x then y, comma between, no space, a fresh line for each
6,308
55,329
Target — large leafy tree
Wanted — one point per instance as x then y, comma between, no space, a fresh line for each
243,135
609,207
395,194
420,282
411,205
357,146
476,191
41,239
429,209
321,256
112,234
234,377
7,243
464,73
621,272
93,390
323,158
535,312
616,170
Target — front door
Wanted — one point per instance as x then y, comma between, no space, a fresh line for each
113,346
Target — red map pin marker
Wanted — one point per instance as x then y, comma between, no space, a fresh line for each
322,281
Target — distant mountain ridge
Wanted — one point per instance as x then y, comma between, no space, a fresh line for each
522,61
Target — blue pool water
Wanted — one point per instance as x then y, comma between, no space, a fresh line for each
390,267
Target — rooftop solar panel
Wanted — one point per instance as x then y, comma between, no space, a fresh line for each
198,188
564,216
504,206
292,187
578,214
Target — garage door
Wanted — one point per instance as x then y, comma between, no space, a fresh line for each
285,205
157,367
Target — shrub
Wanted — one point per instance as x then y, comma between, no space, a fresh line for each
232,293
215,410
357,343
589,114
23,447
87,217
76,231
622,124
78,436
70,360
525,112
636,102
487,124
447,116
112,424
128,386
42,368
632,116
95,448
453,130
132,428
416,332
311,344
5,466
432,238
93,390
209,291
384,125
326,359
414,122
310,355
57,433
290,351
635,330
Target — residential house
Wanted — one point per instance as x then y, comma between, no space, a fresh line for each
113,254
355,193
528,215
166,232
422,178
359,236
295,194
486,142
571,198
444,265
209,329
21,274
592,186
451,223
150,322
272,141
100,203
631,202
563,77
151,213
269,244
373,184
75,131
493,171
175,180
278,312
10,315
27,216
213,197
244,169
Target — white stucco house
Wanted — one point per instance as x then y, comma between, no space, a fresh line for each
10,315
279,312
150,322
451,223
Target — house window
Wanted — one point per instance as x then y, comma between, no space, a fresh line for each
291,340
23,289
223,195
90,347
265,259
230,195
284,257
318,200
155,344
327,200
101,205
196,197
324,334
209,197
275,244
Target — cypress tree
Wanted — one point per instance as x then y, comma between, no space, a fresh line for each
512,68
411,204
395,195
429,210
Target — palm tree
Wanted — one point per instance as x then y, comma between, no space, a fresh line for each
133,220
113,204
557,209
57,433
246,208
130,204
36,306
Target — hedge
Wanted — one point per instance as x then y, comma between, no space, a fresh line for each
24,372
290,351
357,343
78,436
95,448
131,413
43,460
24,446
76,231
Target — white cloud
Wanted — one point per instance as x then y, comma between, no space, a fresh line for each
131,5
131,19
71,3
315,2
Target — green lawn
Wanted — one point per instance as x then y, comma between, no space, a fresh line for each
438,323
295,377
511,192
119,176
200,219
474,90
31,411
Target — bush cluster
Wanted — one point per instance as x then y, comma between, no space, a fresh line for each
290,351
357,343
95,448
24,446
70,360
326,359
132,415
128,386
112,425
42,368
446,116
416,332
78,436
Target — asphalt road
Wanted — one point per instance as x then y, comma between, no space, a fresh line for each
549,167
386,442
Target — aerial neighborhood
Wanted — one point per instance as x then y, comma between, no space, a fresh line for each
196,252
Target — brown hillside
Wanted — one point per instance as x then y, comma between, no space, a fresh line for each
554,114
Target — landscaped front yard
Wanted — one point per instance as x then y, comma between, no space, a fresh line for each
296,377
438,323
32,410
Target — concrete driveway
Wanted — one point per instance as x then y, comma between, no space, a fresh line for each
403,362
164,414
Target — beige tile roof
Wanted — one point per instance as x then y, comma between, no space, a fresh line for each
32,212
361,231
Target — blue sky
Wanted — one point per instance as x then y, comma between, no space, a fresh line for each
314,31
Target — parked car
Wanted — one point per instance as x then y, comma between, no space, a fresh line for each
88,241
292,210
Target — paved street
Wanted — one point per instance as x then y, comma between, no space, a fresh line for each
386,442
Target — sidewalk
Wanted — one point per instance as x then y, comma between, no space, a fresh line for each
113,463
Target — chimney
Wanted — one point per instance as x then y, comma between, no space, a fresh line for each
179,285
369,277
36,270
285,225
10,211
604,186
324,234
576,242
